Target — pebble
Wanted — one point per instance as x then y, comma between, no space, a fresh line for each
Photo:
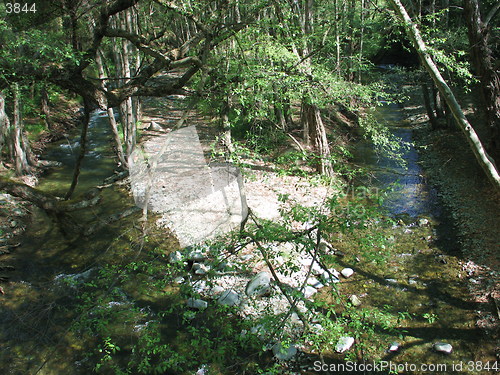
347,272
442,347
344,344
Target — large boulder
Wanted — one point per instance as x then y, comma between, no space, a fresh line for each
260,285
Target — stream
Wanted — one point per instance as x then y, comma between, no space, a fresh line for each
421,282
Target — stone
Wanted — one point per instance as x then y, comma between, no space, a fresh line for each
284,353
197,304
200,286
216,290
423,222
331,276
442,347
260,285
179,280
315,283
155,126
394,347
354,299
246,257
196,256
391,281
229,298
200,268
309,291
344,344
347,272
175,257
317,269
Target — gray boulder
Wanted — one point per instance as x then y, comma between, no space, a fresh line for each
260,285
229,298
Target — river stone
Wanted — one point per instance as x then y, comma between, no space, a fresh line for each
284,354
394,347
196,256
155,126
200,268
314,282
175,257
423,222
344,344
229,298
179,280
354,299
259,285
347,272
317,269
309,291
442,347
197,304
216,290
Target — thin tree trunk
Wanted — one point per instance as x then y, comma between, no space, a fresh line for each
482,59
45,108
4,128
111,115
428,106
484,160
20,145
83,149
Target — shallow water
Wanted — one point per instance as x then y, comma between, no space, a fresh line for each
409,192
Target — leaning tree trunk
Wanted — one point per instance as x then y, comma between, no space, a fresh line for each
484,160
482,59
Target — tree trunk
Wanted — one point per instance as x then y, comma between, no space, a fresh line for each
428,106
4,129
226,127
484,160
21,146
111,115
317,137
81,154
482,59
44,107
